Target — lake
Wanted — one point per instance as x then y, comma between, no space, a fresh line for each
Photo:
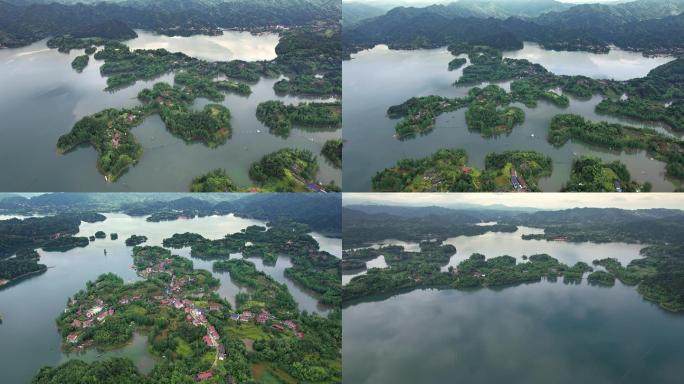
537,333
532,333
42,97
29,308
493,244
378,78
229,46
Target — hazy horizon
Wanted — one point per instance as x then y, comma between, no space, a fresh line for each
544,201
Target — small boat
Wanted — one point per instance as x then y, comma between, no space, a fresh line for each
532,135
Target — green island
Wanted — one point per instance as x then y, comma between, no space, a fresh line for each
601,278
410,270
654,98
590,174
658,274
80,62
457,63
314,269
280,118
114,236
19,240
483,115
109,131
447,171
100,235
214,181
135,240
309,55
288,170
620,137
332,151
192,332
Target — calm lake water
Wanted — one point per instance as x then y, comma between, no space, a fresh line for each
28,332
537,333
378,78
42,97
231,45
494,244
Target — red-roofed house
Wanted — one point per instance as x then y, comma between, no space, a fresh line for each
72,338
204,375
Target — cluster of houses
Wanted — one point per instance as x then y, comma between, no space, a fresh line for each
159,268
98,312
264,317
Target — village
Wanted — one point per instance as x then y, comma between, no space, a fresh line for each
174,295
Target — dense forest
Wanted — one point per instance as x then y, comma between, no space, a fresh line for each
193,331
332,151
447,171
280,117
637,25
22,23
658,275
20,238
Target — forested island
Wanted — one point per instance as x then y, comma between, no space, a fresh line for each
620,137
658,274
316,270
80,62
654,98
332,151
194,333
135,240
288,170
407,270
590,174
109,131
19,240
214,181
279,117
308,59
447,171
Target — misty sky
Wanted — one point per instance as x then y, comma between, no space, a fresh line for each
529,200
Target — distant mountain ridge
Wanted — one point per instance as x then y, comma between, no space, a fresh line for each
23,22
646,25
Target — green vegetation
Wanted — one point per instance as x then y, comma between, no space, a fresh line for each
114,236
317,270
80,62
100,235
279,117
601,278
457,63
189,326
446,171
483,114
590,174
286,170
214,181
19,240
111,371
620,137
332,151
409,270
109,131
135,240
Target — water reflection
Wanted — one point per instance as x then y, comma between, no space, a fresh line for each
29,337
378,78
536,333
231,45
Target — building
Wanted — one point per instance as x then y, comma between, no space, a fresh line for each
221,352
72,338
204,375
